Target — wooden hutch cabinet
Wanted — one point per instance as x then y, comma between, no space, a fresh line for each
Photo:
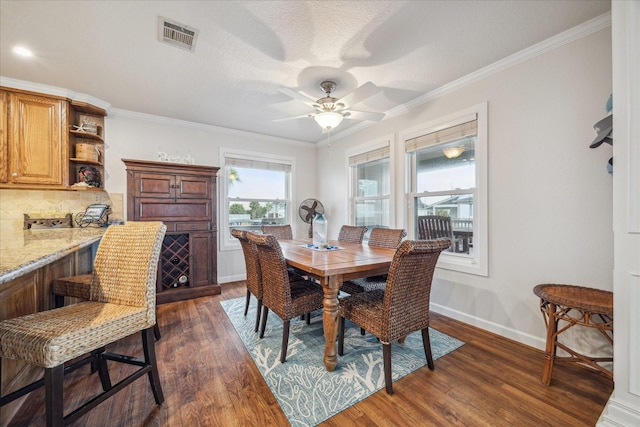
184,198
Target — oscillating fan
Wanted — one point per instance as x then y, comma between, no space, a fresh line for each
308,210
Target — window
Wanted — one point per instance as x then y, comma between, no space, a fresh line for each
370,187
256,191
447,164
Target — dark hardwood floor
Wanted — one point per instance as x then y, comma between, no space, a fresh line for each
209,379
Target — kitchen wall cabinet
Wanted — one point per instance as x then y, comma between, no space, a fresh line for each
4,129
40,136
184,198
35,141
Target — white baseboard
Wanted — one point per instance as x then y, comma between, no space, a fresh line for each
234,278
498,329
616,414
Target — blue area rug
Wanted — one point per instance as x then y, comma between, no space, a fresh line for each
307,393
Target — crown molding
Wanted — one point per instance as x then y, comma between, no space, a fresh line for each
582,30
55,91
76,96
209,128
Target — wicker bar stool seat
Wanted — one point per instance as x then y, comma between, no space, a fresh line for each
80,287
121,303
72,286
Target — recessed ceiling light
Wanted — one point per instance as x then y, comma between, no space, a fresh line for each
22,51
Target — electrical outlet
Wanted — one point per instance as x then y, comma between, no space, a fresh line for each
97,198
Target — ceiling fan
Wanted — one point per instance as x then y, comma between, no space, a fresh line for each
329,110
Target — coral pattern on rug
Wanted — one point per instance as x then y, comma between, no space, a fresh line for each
309,394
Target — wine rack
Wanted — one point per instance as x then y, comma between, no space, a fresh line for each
175,261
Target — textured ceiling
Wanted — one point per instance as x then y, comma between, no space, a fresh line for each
247,50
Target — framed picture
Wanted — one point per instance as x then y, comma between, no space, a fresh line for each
94,213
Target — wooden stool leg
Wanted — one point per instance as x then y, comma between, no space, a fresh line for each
53,380
550,351
149,348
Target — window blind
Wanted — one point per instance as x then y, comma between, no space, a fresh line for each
444,135
369,156
257,164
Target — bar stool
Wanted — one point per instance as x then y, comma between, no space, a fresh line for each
80,287
576,305
122,302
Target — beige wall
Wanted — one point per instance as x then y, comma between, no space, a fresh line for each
138,136
550,197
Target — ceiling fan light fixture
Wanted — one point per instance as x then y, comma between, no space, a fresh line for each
453,152
328,119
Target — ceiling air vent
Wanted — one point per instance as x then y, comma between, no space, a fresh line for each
176,34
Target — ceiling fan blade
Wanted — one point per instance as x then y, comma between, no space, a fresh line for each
365,115
285,119
297,95
365,91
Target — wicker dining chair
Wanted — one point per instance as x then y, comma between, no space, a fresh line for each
254,275
380,237
351,233
402,307
122,301
284,232
285,298
280,232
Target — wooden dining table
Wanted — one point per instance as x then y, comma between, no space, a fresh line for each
331,268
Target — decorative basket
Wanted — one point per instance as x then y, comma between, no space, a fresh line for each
87,152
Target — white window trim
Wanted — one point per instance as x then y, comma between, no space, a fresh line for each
477,264
385,141
225,243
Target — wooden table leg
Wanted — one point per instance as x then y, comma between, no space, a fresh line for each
550,351
331,287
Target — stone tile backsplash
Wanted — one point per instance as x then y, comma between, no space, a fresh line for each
52,204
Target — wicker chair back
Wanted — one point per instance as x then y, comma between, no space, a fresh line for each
386,237
280,232
252,263
351,233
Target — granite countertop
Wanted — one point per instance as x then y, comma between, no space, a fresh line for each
23,251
